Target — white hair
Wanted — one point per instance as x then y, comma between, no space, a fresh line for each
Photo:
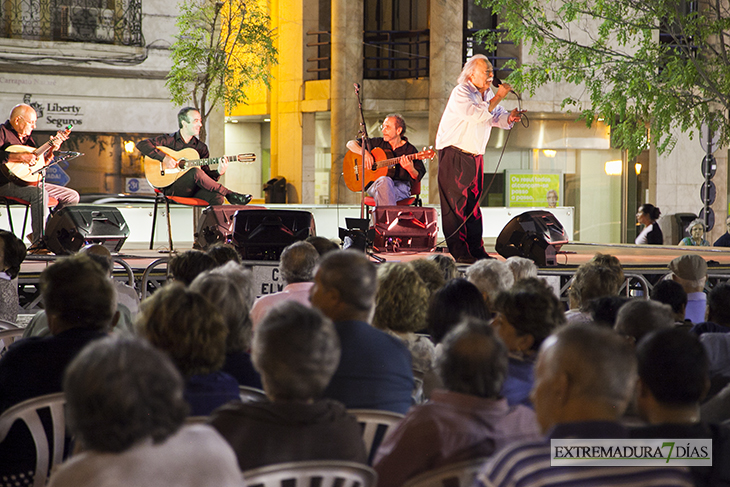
490,277
521,267
470,66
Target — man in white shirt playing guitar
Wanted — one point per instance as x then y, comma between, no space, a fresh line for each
15,135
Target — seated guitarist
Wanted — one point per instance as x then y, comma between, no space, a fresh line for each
388,190
196,182
17,131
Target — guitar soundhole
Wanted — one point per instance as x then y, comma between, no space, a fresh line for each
181,164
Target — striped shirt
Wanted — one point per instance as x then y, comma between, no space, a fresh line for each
528,464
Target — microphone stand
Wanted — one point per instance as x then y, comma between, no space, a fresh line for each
67,156
364,146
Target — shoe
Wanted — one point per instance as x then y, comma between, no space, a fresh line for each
468,259
238,198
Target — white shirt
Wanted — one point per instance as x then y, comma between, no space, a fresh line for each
467,121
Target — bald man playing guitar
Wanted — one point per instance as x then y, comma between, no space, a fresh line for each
18,148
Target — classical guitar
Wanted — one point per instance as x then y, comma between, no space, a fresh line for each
188,158
382,166
30,174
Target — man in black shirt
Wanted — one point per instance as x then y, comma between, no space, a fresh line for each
387,190
195,182
17,130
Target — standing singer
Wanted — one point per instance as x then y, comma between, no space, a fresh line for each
470,114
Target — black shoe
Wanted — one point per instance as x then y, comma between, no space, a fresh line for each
238,198
467,259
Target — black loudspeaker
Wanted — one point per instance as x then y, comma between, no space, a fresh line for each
263,234
536,235
216,224
72,227
404,227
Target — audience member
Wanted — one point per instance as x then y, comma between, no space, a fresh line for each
584,379
673,379
525,315
639,317
491,277
191,330
126,298
322,244
401,303
521,267
430,273
12,254
672,293
296,268
375,368
696,230
718,311
296,350
186,266
690,270
604,310
447,265
223,253
79,302
468,420
124,406
452,303
230,289
601,276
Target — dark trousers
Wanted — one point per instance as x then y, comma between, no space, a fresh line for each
460,180
196,184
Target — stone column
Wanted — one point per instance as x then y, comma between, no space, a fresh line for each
447,19
346,68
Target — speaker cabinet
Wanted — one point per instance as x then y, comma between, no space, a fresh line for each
216,224
404,227
536,235
72,227
264,234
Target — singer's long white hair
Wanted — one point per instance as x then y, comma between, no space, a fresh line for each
470,65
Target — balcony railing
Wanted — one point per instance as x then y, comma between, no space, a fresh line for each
98,21
390,54
506,51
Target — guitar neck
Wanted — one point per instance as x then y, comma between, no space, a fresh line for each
393,161
209,161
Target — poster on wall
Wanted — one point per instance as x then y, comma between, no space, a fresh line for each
529,189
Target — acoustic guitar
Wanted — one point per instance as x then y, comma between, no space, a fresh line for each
188,158
29,174
382,166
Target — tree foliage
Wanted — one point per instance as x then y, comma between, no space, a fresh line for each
648,66
222,49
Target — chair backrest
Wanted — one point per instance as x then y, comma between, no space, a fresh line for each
9,336
8,325
27,411
252,394
375,425
460,474
330,473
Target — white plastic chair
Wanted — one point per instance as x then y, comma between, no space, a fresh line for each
252,394
8,325
301,474
460,474
375,425
27,411
7,337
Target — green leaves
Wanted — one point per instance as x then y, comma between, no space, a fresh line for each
222,49
645,86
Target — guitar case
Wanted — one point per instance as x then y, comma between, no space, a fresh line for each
404,227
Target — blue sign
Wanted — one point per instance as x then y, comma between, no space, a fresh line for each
56,175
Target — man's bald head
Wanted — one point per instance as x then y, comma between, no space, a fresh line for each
101,255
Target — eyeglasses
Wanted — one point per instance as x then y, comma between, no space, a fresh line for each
31,123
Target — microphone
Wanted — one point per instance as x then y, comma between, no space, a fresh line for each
357,87
69,153
498,82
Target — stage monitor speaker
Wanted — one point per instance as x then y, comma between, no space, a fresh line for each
216,224
264,234
72,227
404,227
536,235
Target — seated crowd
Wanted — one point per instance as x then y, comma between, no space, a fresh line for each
486,367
